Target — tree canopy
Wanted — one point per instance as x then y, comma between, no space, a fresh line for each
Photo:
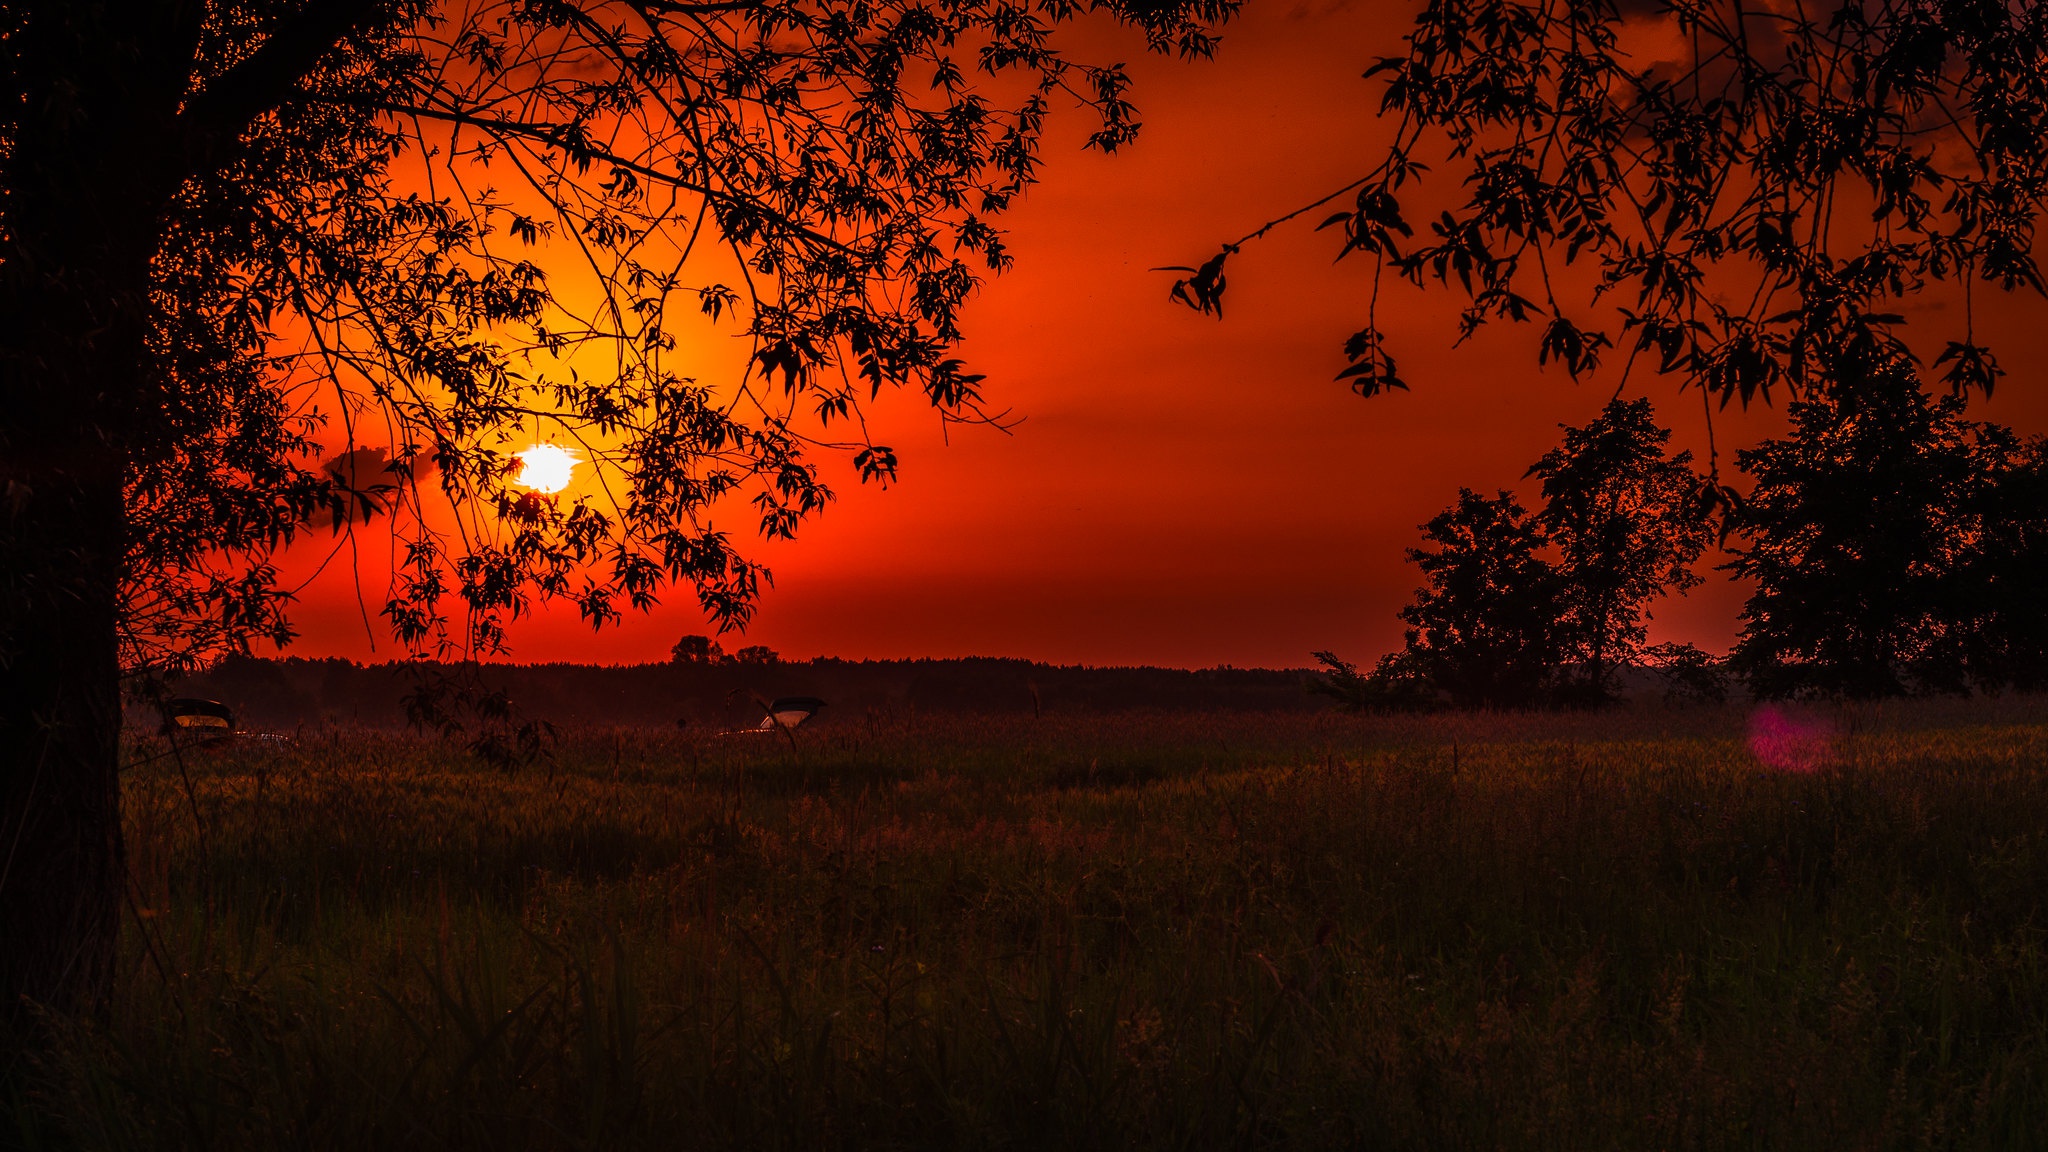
1522,610
267,265
448,230
1745,199
1896,548
1736,195
1626,521
1482,631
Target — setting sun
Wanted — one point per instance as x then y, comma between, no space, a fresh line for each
545,468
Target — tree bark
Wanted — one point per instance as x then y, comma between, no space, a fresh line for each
61,863
108,122
85,184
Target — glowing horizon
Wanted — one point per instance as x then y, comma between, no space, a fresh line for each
1175,490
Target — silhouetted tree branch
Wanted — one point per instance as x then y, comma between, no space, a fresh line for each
242,241
1751,191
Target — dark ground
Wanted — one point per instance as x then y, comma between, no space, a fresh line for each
290,693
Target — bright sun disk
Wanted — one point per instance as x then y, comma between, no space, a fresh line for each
546,468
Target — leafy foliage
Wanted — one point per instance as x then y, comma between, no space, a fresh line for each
1744,197
1524,610
1738,195
1392,685
1483,631
1897,548
222,444
697,650
1627,522
439,231
1690,675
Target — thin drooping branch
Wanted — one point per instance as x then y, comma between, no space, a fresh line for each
1821,172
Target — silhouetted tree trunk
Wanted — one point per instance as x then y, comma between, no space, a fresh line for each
108,123
85,182
60,882
128,167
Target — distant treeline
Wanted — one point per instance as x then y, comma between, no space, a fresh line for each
294,691
1893,548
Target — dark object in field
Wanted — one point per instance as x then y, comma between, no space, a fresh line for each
193,717
789,712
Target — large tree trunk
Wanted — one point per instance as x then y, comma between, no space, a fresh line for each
84,189
61,871
107,122
72,346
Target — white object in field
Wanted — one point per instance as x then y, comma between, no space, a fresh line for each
197,716
789,712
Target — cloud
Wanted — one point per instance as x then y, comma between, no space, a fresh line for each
369,479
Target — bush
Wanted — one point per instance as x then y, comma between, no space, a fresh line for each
697,650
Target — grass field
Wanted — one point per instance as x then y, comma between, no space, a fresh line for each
1121,931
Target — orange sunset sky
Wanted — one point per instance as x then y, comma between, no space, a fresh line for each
1179,491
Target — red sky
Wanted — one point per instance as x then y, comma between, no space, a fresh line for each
1179,491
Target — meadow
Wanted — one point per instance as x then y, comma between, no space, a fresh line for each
1632,930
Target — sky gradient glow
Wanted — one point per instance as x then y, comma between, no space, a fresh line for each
1178,491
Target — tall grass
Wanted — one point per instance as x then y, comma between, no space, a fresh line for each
1131,931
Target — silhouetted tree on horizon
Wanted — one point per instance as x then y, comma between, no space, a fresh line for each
1897,547
697,650
1628,523
1483,630
1538,610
